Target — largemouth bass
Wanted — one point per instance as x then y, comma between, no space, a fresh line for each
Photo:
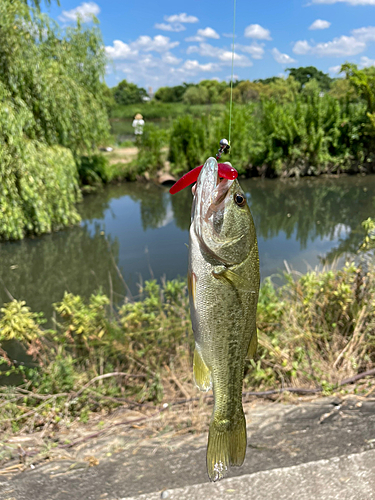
223,281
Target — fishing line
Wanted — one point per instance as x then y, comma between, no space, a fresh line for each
231,80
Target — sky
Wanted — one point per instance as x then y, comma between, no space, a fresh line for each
164,42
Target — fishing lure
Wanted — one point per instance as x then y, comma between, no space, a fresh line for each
225,171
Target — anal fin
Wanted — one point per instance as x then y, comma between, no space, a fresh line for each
202,374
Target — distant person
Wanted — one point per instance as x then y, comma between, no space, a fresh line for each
138,124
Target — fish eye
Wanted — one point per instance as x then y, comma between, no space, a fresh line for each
239,199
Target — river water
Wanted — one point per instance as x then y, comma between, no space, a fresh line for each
142,231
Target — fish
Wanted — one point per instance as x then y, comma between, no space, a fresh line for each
223,284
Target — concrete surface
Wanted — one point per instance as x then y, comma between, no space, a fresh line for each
292,453
343,478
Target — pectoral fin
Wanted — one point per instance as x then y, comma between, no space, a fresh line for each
227,275
252,346
202,374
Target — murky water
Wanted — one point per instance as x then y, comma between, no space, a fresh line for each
143,231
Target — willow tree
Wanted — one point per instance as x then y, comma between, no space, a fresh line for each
52,109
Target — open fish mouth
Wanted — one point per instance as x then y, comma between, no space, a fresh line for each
209,202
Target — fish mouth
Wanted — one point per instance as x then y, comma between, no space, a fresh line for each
209,202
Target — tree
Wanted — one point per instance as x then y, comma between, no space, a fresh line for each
244,92
214,88
52,110
267,81
171,94
196,95
363,80
282,90
128,93
304,75
341,88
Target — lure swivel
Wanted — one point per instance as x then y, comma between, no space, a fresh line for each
224,148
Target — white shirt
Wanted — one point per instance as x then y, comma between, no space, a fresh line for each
138,126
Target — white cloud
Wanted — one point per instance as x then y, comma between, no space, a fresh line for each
181,18
159,43
351,2
282,58
176,27
339,47
224,56
258,32
364,34
208,33
302,47
202,35
84,12
335,70
196,66
152,70
239,60
256,50
319,24
169,58
195,38
121,50
366,62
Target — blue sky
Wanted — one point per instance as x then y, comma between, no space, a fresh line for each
165,42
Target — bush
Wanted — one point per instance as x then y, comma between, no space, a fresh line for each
93,170
150,155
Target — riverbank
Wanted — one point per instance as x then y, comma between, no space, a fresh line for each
315,333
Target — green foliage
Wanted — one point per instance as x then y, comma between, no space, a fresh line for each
128,93
369,239
316,329
17,322
53,107
196,95
171,94
342,89
150,155
187,143
244,92
39,187
305,75
56,75
93,170
364,83
59,376
287,133
80,320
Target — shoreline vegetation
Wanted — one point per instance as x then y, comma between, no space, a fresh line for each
315,332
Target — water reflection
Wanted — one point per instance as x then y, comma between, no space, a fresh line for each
39,270
312,209
143,230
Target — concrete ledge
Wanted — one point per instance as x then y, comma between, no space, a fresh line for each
344,478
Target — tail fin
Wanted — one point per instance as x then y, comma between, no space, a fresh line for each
226,446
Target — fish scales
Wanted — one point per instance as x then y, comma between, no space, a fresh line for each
223,282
